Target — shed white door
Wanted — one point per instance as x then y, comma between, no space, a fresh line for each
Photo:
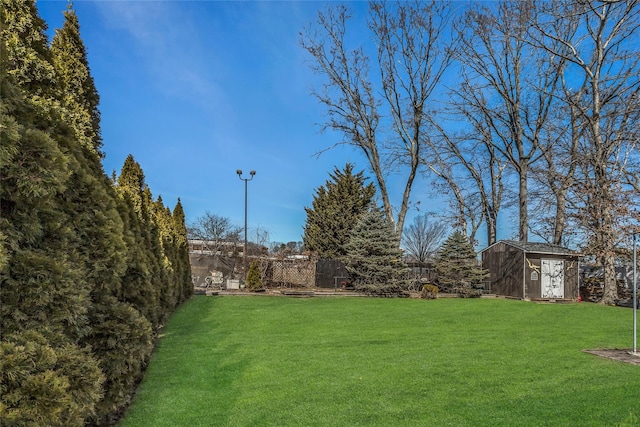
552,279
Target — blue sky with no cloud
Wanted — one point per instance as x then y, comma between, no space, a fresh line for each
198,89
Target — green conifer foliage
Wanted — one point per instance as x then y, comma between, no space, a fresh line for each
144,278
373,256
183,265
46,381
123,355
153,246
456,264
28,58
169,295
254,281
77,91
39,281
336,209
137,286
131,181
83,265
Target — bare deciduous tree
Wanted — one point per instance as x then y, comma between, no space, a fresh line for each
472,162
603,60
507,88
214,229
422,238
385,121
554,176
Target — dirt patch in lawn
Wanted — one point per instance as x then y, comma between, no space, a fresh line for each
622,355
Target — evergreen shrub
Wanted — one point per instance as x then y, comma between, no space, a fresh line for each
383,291
46,381
466,292
429,292
254,282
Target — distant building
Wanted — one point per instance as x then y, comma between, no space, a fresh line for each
212,247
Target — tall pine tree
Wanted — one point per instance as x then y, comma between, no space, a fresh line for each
336,209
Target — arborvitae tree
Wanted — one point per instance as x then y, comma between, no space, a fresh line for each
137,286
456,264
44,293
183,266
77,259
46,381
153,243
132,182
373,256
39,283
336,209
28,59
169,295
144,276
122,340
78,94
254,281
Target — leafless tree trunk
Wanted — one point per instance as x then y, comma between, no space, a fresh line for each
556,173
476,165
604,64
412,56
509,84
466,213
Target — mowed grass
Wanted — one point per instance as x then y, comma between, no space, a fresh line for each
278,361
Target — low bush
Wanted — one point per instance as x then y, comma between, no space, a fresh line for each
429,292
466,292
383,291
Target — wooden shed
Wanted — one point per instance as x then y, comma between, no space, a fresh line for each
531,270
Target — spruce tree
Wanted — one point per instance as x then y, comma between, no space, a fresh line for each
373,256
336,209
457,266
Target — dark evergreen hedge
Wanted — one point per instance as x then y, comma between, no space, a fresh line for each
90,268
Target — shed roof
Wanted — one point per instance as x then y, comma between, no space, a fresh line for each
536,247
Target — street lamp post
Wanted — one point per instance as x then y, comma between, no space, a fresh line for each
635,296
246,180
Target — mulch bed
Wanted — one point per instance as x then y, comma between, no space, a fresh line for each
619,354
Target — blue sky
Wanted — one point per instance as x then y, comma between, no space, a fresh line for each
198,89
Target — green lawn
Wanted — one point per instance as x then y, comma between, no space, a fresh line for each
278,361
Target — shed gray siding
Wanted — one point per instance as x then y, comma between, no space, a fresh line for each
504,264
515,268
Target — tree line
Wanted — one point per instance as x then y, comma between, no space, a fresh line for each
345,223
91,266
527,106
